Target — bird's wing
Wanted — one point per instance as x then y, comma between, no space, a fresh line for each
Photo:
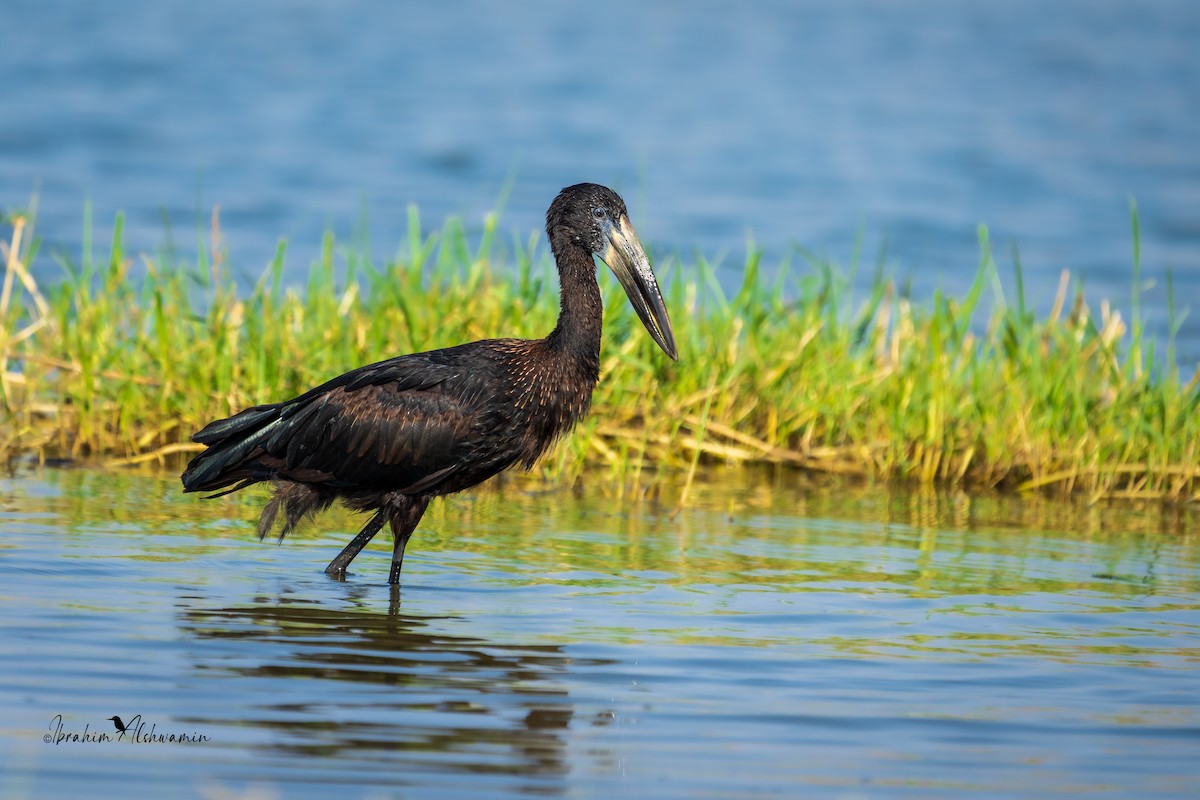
405,424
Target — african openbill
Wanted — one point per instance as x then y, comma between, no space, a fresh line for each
388,437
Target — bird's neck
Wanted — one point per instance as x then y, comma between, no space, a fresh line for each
577,335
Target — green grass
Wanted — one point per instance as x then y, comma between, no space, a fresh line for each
790,370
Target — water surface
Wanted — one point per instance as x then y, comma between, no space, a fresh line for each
773,639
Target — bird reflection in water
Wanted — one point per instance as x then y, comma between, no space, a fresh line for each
395,689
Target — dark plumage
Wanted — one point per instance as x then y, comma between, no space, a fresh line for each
390,436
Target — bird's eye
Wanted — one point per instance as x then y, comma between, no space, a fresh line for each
599,213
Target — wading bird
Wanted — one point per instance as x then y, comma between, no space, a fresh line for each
390,436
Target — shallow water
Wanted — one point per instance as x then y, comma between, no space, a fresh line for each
774,639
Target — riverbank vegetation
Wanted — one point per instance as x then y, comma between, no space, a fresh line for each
126,356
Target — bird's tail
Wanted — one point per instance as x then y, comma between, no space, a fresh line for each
231,443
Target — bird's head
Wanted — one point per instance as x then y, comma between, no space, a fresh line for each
595,217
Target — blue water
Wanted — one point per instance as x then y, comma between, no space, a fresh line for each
804,123
767,641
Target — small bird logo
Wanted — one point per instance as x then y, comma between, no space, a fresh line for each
116,721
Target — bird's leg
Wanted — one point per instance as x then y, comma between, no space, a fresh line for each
398,557
404,521
337,567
